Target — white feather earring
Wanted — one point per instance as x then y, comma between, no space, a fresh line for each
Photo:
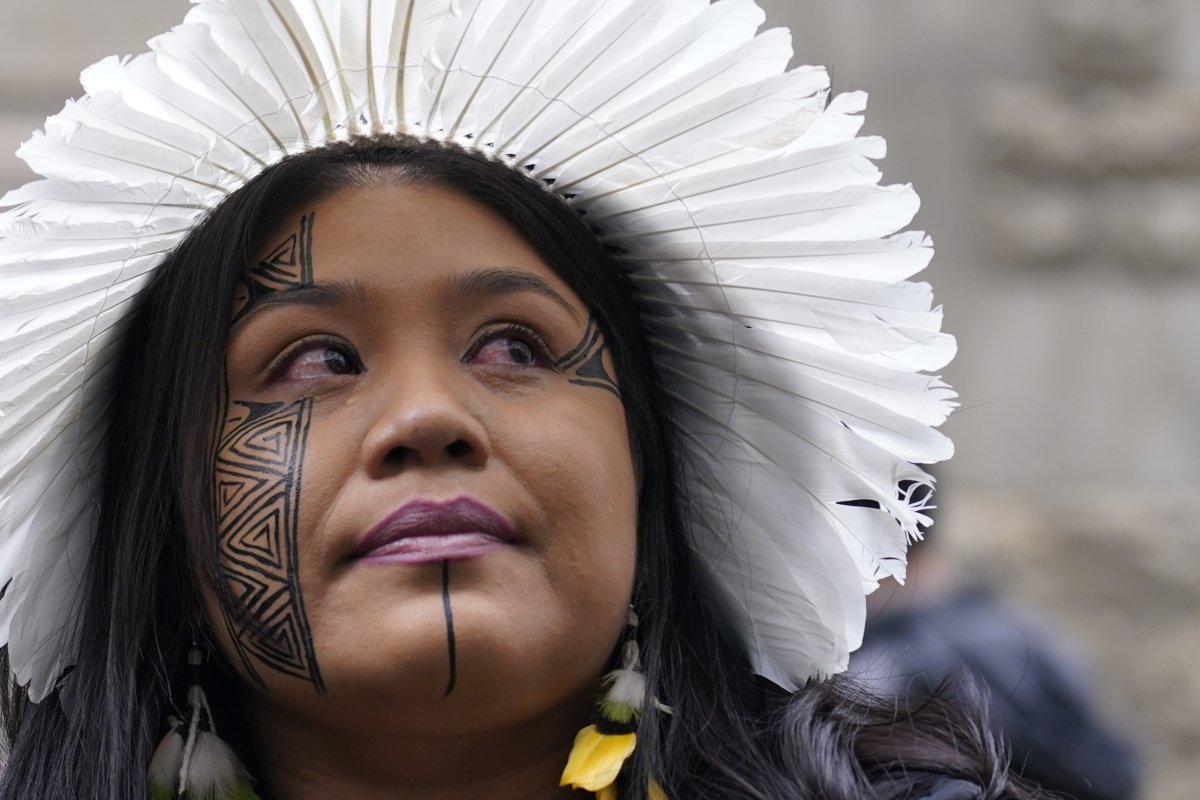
193,762
162,778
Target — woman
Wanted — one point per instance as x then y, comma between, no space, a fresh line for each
391,482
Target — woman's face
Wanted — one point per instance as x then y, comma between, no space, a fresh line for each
426,501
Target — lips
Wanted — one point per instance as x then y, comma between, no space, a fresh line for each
427,531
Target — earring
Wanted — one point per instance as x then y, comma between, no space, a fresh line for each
191,760
602,748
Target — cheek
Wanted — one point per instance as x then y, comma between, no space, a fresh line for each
577,464
258,476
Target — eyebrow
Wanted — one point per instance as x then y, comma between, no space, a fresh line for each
491,282
501,281
317,295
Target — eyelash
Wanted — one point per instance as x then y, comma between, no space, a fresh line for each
537,343
277,368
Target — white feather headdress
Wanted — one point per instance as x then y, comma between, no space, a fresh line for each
764,252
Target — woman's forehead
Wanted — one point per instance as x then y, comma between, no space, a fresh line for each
405,238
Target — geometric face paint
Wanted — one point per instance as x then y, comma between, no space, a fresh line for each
585,362
288,266
257,476
258,467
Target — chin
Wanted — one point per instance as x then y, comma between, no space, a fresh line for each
509,666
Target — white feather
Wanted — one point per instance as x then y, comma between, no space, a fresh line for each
163,772
214,772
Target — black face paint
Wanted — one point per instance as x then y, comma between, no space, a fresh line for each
288,266
585,362
257,469
257,480
449,628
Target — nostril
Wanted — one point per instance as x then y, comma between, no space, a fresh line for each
397,455
458,449
400,442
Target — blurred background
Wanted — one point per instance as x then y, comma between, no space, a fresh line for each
1056,146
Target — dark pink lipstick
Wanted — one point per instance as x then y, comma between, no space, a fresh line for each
428,531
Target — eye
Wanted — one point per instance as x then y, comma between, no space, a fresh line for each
513,346
316,358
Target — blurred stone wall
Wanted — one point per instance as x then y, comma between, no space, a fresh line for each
1057,149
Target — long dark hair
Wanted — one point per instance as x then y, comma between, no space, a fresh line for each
730,735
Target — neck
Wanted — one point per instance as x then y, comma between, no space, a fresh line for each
304,760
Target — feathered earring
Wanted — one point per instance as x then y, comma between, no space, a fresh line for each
193,762
602,748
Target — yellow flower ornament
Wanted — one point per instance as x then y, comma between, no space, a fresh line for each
596,760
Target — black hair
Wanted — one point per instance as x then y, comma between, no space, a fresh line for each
729,734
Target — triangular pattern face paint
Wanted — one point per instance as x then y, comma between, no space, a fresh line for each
288,266
261,453
257,471
584,363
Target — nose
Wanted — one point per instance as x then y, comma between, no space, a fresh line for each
425,418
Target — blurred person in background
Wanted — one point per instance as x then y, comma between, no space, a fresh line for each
942,623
